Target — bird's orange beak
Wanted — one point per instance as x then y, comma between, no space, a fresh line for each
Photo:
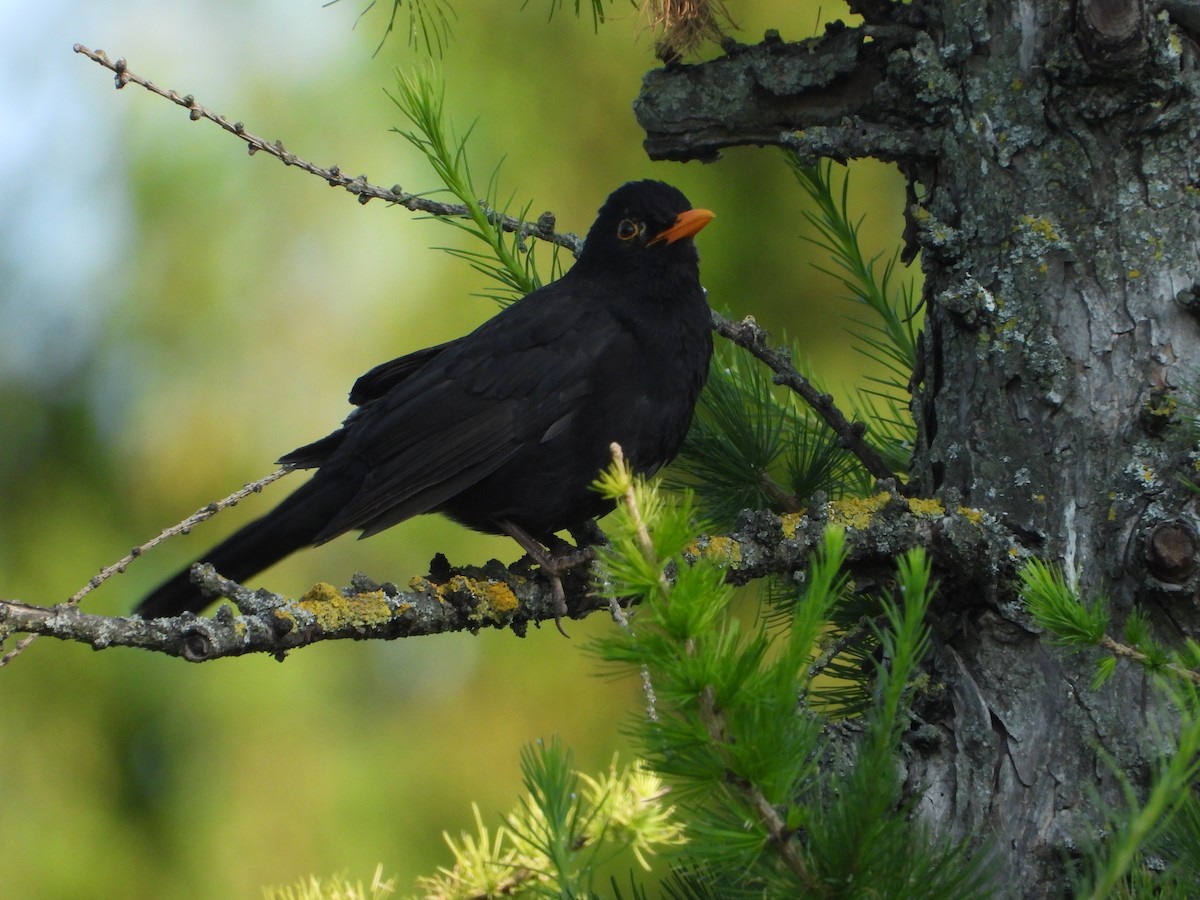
686,224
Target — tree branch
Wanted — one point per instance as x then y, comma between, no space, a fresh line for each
874,90
543,228
461,599
966,546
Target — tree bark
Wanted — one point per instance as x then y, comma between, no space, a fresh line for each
1051,152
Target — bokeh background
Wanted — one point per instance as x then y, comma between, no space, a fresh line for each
174,315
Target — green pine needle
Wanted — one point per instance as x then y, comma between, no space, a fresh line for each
1057,608
505,259
429,23
887,334
890,336
596,7
754,445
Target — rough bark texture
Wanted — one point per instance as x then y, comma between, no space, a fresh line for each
1056,192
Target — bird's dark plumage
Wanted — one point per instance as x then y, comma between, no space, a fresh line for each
505,429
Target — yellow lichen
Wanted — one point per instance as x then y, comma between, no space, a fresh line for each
721,549
1161,404
972,515
334,611
926,506
500,597
1043,227
856,512
321,592
496,599
791,524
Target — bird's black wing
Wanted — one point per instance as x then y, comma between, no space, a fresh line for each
385,376
471,409
368,388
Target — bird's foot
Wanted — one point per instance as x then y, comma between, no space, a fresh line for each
553,564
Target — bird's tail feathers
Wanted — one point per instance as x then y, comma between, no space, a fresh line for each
291,526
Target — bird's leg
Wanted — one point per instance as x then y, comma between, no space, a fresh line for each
552,566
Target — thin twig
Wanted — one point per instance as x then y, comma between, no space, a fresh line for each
835,649
964,544
542,228
200,515
121,564
1116,648
749,335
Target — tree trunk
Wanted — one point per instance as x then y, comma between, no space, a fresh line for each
1055,187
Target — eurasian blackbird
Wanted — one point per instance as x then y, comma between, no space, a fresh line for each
505,429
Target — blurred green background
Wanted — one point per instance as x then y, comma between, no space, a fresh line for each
174,315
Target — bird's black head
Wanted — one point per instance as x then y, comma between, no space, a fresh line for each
643,223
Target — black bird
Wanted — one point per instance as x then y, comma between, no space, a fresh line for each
504,429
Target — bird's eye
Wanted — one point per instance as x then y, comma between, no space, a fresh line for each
628,229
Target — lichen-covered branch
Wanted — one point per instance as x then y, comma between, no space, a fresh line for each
967,548
458,599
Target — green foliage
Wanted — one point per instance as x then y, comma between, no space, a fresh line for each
776,803
1056,606
888,334
1153,847
506,260
336,888
753,445
567,826
1058,609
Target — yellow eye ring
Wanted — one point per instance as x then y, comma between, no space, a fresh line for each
628,229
